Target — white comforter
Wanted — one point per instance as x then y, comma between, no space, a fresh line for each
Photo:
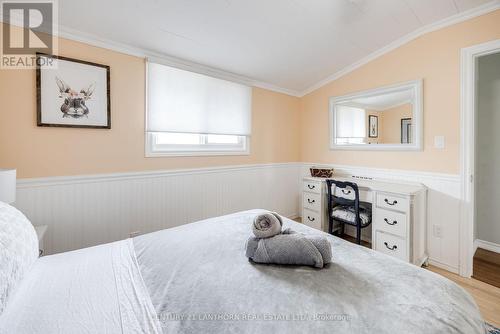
195,279
93,290
201,282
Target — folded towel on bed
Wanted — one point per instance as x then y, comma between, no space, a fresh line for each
267,225
290,247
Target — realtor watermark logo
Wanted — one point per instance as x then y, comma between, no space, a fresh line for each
31,27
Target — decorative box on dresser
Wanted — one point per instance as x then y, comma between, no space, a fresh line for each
398,214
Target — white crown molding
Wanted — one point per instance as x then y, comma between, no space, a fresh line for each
68,33
61,180
443,265
94,40
460,17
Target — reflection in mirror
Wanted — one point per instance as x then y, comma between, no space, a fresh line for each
384,117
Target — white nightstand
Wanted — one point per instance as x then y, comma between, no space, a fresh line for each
40,232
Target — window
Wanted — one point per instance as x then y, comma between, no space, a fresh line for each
350,125
194,114
169,143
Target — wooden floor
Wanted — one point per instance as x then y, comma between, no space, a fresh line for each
487,296
353,240
486,267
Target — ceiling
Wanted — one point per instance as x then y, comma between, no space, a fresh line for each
291,44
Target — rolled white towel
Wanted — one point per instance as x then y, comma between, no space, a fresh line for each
267,225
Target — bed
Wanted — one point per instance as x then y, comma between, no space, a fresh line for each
195,278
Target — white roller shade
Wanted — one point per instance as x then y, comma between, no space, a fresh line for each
182,101
350,122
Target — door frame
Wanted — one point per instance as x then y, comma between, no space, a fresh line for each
468,78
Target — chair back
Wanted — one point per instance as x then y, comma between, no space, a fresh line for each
341,194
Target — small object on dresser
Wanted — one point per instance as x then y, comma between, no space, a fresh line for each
321,172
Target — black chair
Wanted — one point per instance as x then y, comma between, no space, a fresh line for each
345,208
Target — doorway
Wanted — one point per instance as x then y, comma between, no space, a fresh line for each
480,148
486,260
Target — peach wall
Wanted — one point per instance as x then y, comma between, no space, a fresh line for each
41,151
284,128
434,57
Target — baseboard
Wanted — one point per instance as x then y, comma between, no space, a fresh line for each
489,246
443,266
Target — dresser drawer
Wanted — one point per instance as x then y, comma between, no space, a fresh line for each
311,201
312,186
311,219
391,222
392,202
391,245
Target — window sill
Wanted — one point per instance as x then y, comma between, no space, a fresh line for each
195,154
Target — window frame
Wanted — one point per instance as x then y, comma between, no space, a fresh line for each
203,149
195,150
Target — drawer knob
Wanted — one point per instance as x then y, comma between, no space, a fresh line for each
393,202
311,187
346,192
310,201
311,219
389,223
394,247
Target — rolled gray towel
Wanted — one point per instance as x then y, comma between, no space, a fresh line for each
267,225
290,248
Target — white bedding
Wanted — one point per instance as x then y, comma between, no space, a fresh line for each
18,250
93,290
201,282
195,278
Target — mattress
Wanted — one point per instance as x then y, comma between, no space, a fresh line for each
195,278
200,282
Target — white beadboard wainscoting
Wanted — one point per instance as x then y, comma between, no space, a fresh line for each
443,207
84,211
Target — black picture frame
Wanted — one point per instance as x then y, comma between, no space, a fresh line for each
39,93
406,133
372,121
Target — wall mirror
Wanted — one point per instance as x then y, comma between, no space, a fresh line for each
386,118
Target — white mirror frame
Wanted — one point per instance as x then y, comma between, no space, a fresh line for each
415,85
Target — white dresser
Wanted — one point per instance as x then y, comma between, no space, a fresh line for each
398,217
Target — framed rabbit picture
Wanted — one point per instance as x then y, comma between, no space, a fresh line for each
72,93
